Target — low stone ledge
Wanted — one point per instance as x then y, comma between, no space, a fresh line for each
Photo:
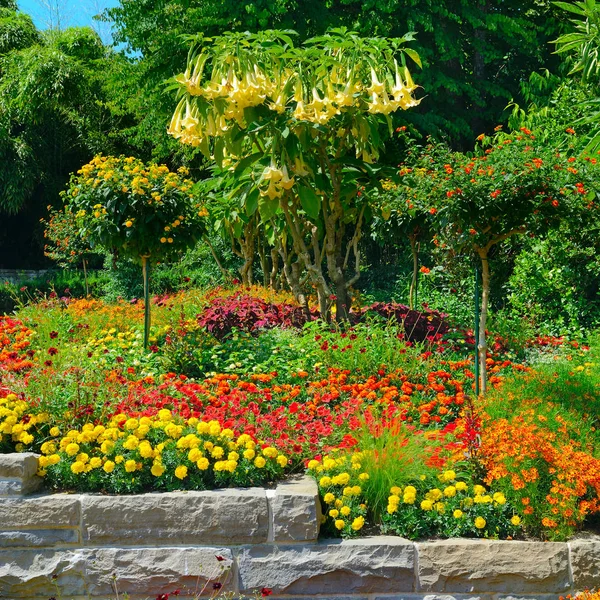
509,568
40,573
379,564
18,474
39,538
585,562
40,512
296,511
229,516
154,571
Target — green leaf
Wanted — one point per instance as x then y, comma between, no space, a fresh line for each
414,55
267,207
246,162
311,203
252,202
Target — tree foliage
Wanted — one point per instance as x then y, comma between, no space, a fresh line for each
295,130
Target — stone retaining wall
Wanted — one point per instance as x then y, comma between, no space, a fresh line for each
82,545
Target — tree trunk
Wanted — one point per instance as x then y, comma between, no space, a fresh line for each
146,276
292,275
413,284
274,269
224,272
85,279
485,299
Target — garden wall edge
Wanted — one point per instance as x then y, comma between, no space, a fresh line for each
152,544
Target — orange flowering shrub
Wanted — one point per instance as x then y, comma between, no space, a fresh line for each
554,479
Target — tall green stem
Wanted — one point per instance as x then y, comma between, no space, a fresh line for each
476,331
146,275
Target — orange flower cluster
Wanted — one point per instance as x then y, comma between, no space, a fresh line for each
557,481
14,356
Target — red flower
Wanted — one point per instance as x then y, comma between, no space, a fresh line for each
433,210
52,351
570,130
266,592
53,335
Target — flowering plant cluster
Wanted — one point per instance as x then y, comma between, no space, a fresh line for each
129,455
142,210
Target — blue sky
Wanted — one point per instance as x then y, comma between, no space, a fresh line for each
73,13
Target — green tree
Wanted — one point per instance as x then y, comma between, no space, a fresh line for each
513,185
475,53
143,211
298,128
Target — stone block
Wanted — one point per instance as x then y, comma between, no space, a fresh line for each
435,597
149,572
296,510
42,573
18,474
505,567
231,516
360,566
20,465
585,562
40,512
39,538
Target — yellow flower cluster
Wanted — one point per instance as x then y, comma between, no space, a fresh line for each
16,425
123,444
253,80
342,491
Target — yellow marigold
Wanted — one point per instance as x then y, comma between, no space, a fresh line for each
328,498
426,504
270,452
131,443
450,491
109,466
480,522
460,486
145,450
334,513
202,463
345,511
249,454
282,461
95,462
78,467
130,466
157,469
479,490
72,449
181,472
516,520
449,475
259,462
339,524
230,465
363,476
217,452
358,523
194,455
392,508
48,448
54,431
457,514
408,498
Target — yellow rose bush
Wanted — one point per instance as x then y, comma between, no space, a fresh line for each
163,452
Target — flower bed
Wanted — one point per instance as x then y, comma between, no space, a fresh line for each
401,445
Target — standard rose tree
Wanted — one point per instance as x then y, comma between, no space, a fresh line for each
144,211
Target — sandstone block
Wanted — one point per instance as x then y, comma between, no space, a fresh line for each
379,564
149,572
39,538
231,516
18,474
585,562
461,565
40,512
39,573
21,465
296,511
